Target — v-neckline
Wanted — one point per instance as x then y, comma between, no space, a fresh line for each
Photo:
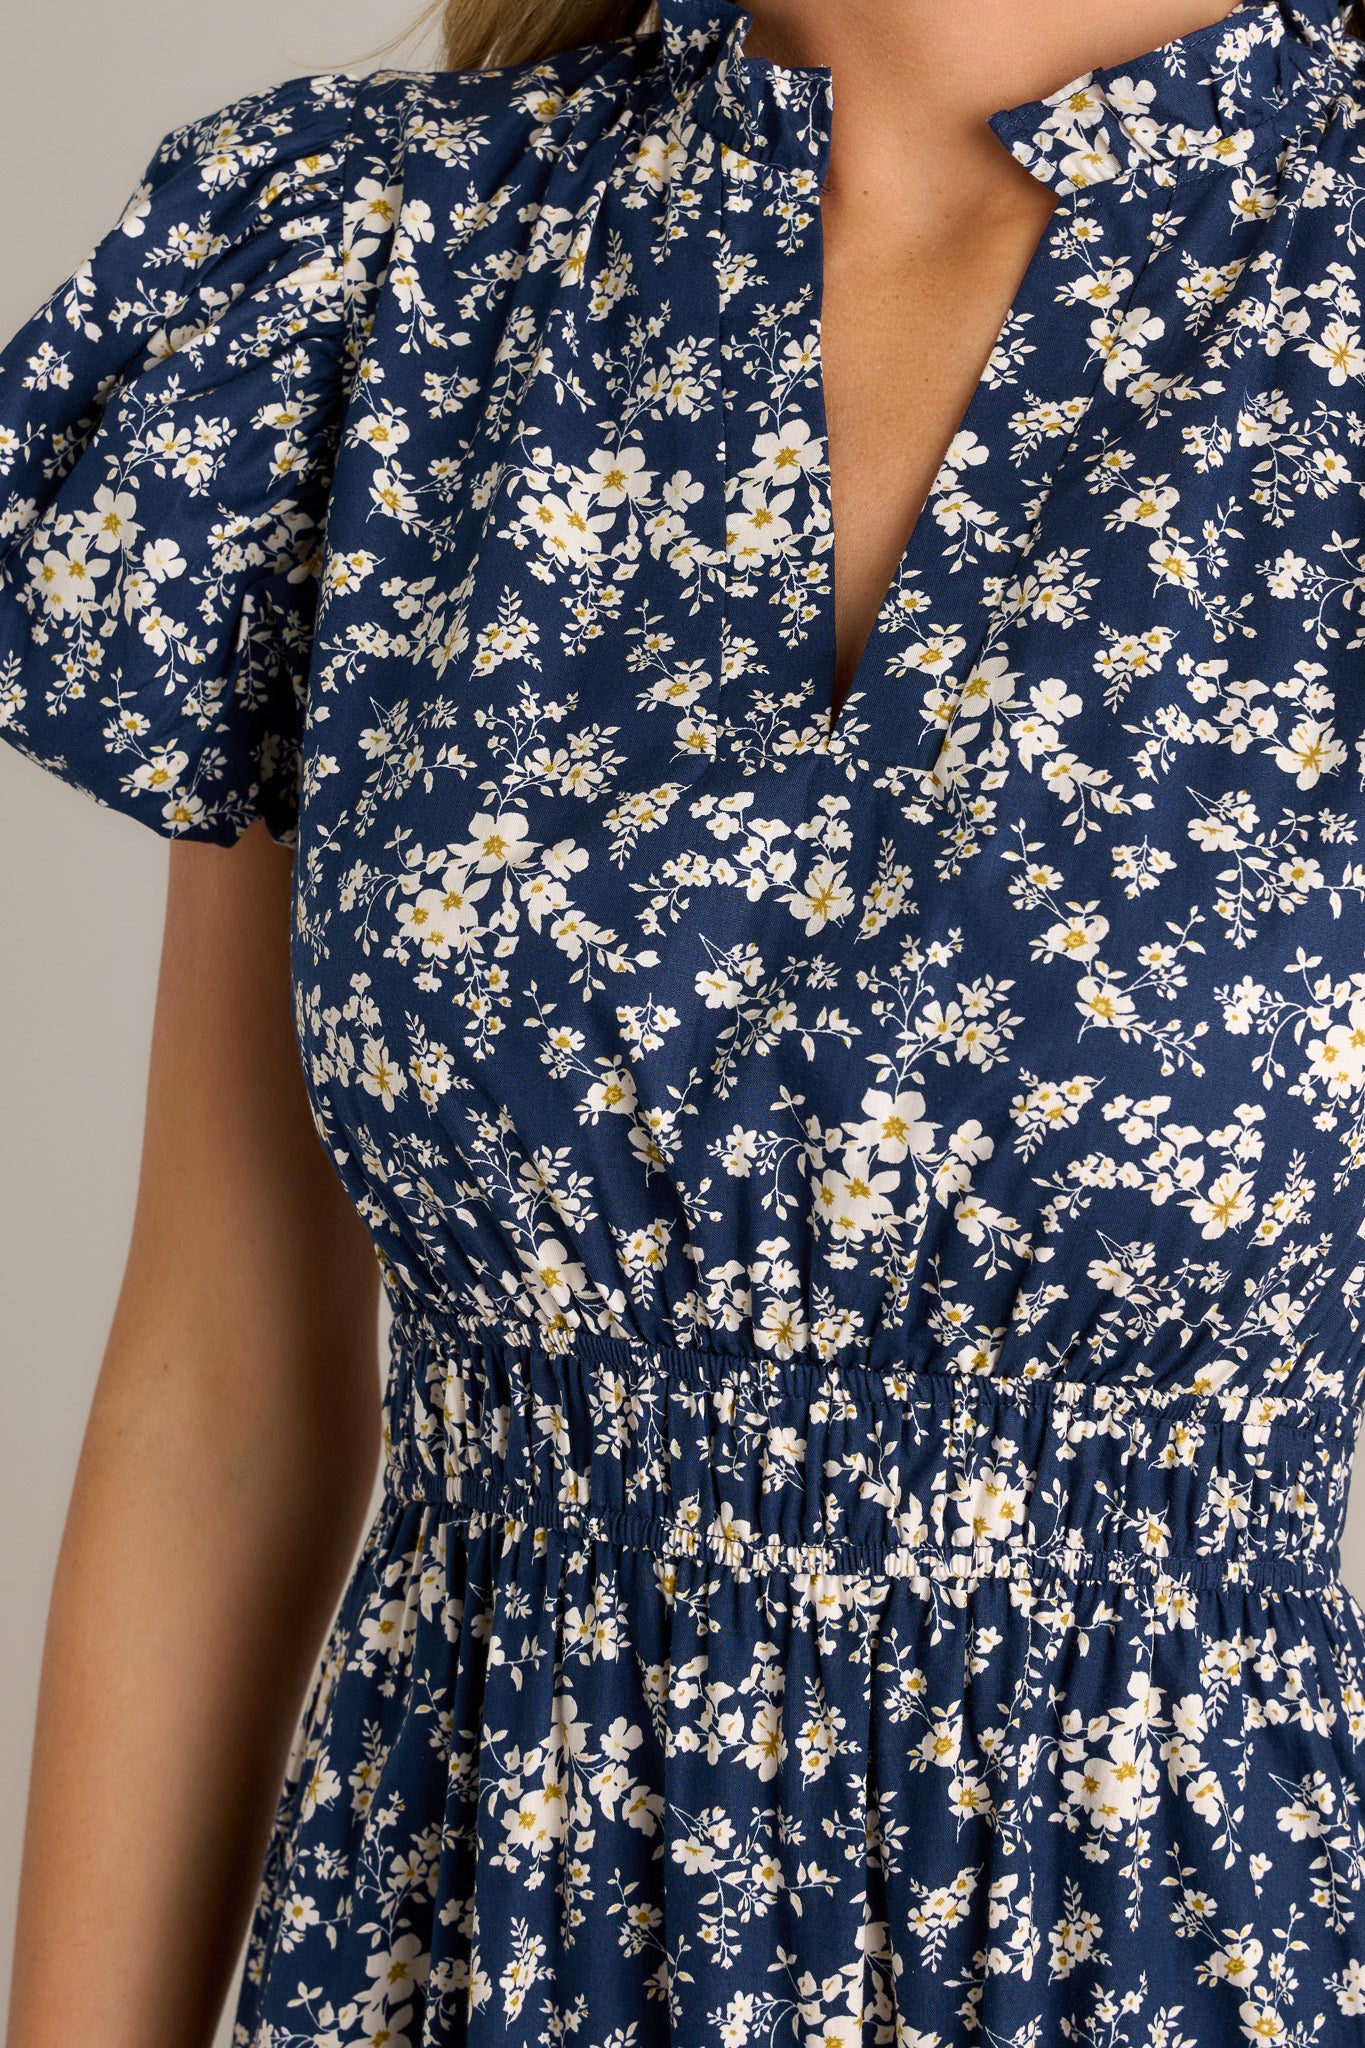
833,722
1089,143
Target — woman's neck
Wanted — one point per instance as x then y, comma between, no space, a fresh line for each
915,80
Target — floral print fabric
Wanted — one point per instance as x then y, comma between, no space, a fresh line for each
871,1208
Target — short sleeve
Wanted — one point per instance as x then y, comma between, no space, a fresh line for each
168,424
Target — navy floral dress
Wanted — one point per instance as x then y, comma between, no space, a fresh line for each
872,1211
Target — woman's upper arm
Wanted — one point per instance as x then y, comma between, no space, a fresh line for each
245,1247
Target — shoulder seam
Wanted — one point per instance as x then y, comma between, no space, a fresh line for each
348,296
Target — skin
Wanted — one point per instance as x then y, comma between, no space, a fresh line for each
923,210
222,1483
233,1438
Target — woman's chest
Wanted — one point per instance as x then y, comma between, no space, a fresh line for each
581,522
1068,899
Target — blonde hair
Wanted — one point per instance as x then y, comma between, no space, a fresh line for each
478,34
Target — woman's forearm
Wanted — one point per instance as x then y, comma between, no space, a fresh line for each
201,1559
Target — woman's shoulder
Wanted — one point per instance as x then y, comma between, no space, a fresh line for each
245,161
170,416
315,121
461,117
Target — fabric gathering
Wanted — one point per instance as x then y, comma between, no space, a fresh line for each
871,1206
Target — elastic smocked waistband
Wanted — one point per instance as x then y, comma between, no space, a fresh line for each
812,1466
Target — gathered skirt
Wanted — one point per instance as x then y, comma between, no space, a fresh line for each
692,1704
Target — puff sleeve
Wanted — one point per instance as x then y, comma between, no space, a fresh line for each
168,422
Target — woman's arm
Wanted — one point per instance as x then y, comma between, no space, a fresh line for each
223,1478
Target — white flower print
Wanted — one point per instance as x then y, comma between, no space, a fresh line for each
868,1205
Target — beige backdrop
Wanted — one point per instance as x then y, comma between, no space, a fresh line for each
92,90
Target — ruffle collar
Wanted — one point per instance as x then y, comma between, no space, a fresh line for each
1214,94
